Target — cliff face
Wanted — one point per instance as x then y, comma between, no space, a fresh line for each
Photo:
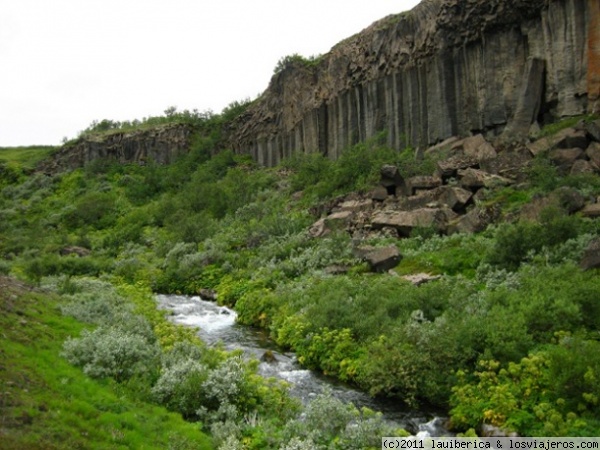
162,144
446,68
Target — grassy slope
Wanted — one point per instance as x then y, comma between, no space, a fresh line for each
25,157
45,403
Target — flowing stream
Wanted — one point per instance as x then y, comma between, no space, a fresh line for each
218,324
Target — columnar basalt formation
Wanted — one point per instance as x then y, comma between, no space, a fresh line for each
161,144
446,68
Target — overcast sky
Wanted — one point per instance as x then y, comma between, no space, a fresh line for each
65,63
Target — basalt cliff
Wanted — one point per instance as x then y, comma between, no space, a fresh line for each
162,144
446,68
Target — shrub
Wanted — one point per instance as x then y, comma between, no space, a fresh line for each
324,418
552,392
97,209
179,387
111,352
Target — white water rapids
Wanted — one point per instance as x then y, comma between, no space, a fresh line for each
218,324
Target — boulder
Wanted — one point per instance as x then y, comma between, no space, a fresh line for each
318,229
475,220
356,205
593,153
442,147
422,199
406,221
75,250
335,221
422,183
573,138
208,294
509,164
581,167
474,179
564,158
454,197
391,179
592,210
383,259
475,147
564,198
379,194
268,357
338,217
420,278
591,256
488,430
564,139
449,167
336,269
593,130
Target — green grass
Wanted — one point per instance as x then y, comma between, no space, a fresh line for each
45,403
25,157
553,128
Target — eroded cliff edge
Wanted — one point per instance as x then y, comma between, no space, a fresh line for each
162,144
446,68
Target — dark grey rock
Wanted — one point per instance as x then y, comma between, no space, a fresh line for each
208,294
593,153
591,256
422,183
593,130
565,158
383,259
529,100
582,167
449,168
406,221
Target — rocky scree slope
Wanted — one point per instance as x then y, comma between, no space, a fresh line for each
452,199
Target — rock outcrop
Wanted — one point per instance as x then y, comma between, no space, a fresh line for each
453,200
446,68
161,144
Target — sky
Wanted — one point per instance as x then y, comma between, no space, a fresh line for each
66,63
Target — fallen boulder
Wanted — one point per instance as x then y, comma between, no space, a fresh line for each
449,167
474,179
593,153
564,139
424,182
406,221
392,180
475,147
75,250
420,278
208,294
592,210
383,259
591,256
564,158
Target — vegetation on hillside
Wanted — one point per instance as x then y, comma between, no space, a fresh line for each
508,336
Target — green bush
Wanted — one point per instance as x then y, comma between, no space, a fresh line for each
179,387
112,352
553,392
96,209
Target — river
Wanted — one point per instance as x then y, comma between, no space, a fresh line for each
218,324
